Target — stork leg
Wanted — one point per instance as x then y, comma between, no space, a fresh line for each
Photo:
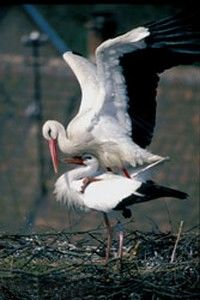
109,240
121,239
87,181
126,173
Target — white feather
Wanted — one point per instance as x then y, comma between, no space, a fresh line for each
102,125
106,194
102,195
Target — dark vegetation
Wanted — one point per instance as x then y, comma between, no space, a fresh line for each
70,265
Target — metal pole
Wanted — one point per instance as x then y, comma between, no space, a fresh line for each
39,118
35,40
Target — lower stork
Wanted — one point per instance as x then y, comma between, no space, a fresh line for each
107,192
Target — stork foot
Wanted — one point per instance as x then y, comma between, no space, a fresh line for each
87,181
126,173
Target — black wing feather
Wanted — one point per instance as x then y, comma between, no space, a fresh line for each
150,191
172,41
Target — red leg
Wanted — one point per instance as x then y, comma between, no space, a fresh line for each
126,173
87,181
121,240
109,241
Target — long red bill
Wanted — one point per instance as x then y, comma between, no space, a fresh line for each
54,153
75,160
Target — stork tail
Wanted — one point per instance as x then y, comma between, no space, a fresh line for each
154,191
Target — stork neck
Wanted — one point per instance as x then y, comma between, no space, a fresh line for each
82,172
65,144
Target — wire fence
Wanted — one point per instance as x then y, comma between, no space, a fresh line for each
176,136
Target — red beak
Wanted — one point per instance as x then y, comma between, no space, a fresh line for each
54,153
75,160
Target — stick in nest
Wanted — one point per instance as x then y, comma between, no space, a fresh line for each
176,243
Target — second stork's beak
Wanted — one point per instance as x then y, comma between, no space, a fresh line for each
54,153
75,160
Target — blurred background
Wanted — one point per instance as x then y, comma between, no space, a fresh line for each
37,85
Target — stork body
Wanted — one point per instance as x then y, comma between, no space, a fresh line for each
109,192
117,114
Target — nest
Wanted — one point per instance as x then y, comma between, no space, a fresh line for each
68,265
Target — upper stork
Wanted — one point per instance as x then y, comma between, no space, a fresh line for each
117,114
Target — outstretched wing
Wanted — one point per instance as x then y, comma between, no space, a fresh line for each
85,72
128,69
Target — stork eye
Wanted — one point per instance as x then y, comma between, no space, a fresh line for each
49,132
88,157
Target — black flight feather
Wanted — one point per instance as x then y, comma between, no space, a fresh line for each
149,191
172,41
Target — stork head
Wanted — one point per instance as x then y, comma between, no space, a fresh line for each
90,160
50,131
84,160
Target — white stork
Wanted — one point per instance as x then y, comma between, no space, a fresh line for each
116,118
107,192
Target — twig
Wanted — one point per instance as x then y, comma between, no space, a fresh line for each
176,243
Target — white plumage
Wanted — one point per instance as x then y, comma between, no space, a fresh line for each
116,118
102,195
102,125
107,191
